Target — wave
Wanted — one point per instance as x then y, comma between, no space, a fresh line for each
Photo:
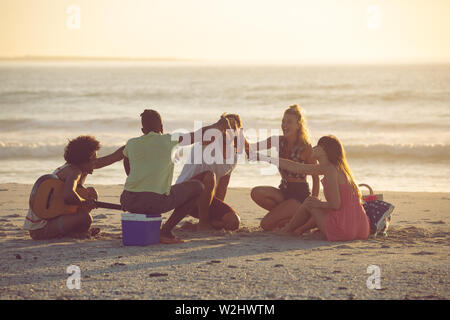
105,124
183,119
300,88
323,121
431,152
312,93
399,151
34,96
9,151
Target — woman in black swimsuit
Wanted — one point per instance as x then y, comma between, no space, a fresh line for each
283,201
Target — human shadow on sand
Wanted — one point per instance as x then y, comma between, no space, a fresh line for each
203,247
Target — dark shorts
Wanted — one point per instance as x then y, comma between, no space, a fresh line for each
216,211
295,190
156,204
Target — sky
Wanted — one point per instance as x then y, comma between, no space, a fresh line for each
300,31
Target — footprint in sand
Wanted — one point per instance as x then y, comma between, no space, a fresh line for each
7,226
265,259
436,222
13,216
422,253
343,246
120,264
158,274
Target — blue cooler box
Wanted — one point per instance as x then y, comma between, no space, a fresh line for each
140,229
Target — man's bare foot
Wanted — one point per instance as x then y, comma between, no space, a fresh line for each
169,238
204,226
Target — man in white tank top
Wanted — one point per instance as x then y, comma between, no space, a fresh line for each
214,171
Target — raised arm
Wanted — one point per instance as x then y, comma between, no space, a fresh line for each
188,139
292,166
109,159
289,165
315,178
257,146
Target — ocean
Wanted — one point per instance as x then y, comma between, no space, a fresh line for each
393,121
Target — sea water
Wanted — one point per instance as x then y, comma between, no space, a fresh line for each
392,120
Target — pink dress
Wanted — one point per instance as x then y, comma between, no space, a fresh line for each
350,222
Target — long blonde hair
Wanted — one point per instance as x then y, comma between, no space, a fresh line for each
303,137
336,155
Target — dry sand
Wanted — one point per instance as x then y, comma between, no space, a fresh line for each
247,264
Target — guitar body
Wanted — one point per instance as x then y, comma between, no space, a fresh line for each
47,198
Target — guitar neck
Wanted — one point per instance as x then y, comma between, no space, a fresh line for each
107,205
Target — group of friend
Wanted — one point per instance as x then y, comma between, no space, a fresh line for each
201,187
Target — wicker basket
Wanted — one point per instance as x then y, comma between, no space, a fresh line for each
371,195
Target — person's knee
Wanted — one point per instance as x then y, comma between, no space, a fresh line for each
255,194
231,221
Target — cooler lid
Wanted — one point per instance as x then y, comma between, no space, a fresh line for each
139,217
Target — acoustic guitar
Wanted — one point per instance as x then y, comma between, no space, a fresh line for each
47,198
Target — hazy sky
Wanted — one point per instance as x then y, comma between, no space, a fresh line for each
304,31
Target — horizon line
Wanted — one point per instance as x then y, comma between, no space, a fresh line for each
94,58
50,58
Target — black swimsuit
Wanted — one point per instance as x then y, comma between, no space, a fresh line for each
293,190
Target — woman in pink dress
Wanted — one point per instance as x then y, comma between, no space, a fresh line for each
341,217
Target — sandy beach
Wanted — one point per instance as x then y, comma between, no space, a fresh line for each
248,264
